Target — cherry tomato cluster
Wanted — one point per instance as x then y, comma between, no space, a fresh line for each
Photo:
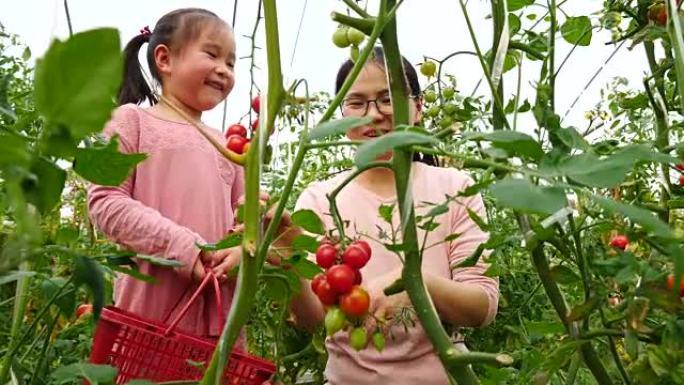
345,37
340,291
237,142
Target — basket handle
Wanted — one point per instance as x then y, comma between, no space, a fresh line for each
217,293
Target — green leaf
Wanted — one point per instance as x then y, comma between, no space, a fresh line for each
513,142
582,310
385,212
634,103
477,219
372,149
520,194
305,242
514,5
309,221
564,275
577,30
95,374
159,261
513,23
76,81
66,302
559,356
105,165
643,217
135,273
13,151
45,191
230,240
12,276
660,361
472,258
337,127
571,138
88,272
277,287
304,267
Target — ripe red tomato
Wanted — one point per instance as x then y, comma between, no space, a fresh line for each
619,241
236,129
326,294
657,13
364,245
316,281
671,285
679,166
341,278
681,180
355,303
357,277
355,256
84,309
255,124
236,143
326,255
256,104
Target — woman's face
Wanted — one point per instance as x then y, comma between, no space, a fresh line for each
369,96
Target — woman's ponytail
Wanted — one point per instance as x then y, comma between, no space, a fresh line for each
134,88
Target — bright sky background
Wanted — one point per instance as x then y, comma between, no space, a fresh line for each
426,27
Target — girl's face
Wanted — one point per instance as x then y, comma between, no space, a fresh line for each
201,74
370,96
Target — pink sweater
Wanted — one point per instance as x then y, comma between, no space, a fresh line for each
409,358
182,194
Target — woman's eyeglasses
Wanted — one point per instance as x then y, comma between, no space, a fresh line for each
356,106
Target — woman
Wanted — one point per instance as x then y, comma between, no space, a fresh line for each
462,297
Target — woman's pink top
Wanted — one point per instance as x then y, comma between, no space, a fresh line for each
408,358
181,195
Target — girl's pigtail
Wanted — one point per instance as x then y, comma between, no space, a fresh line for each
134,88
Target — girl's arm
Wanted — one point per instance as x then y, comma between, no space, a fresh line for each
130,223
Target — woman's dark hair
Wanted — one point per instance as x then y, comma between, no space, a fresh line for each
378,57
175,30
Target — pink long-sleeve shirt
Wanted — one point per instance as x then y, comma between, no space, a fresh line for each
409,358
181,195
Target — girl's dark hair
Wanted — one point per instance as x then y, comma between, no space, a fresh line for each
175,30
411,75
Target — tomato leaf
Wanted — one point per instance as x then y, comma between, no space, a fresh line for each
230,240
305,242
582,310
12,276
95,374
88,272
643,217
13,150
77,80
520,194
369,151
564,275
514,5
309,221
160,261
45,190
513,142
105,165
304,267
577,30
337,127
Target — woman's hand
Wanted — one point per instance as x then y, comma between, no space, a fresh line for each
221,262
382,306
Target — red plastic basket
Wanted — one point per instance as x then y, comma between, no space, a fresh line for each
146,349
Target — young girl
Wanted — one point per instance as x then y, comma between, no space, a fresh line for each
183,194
462,296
